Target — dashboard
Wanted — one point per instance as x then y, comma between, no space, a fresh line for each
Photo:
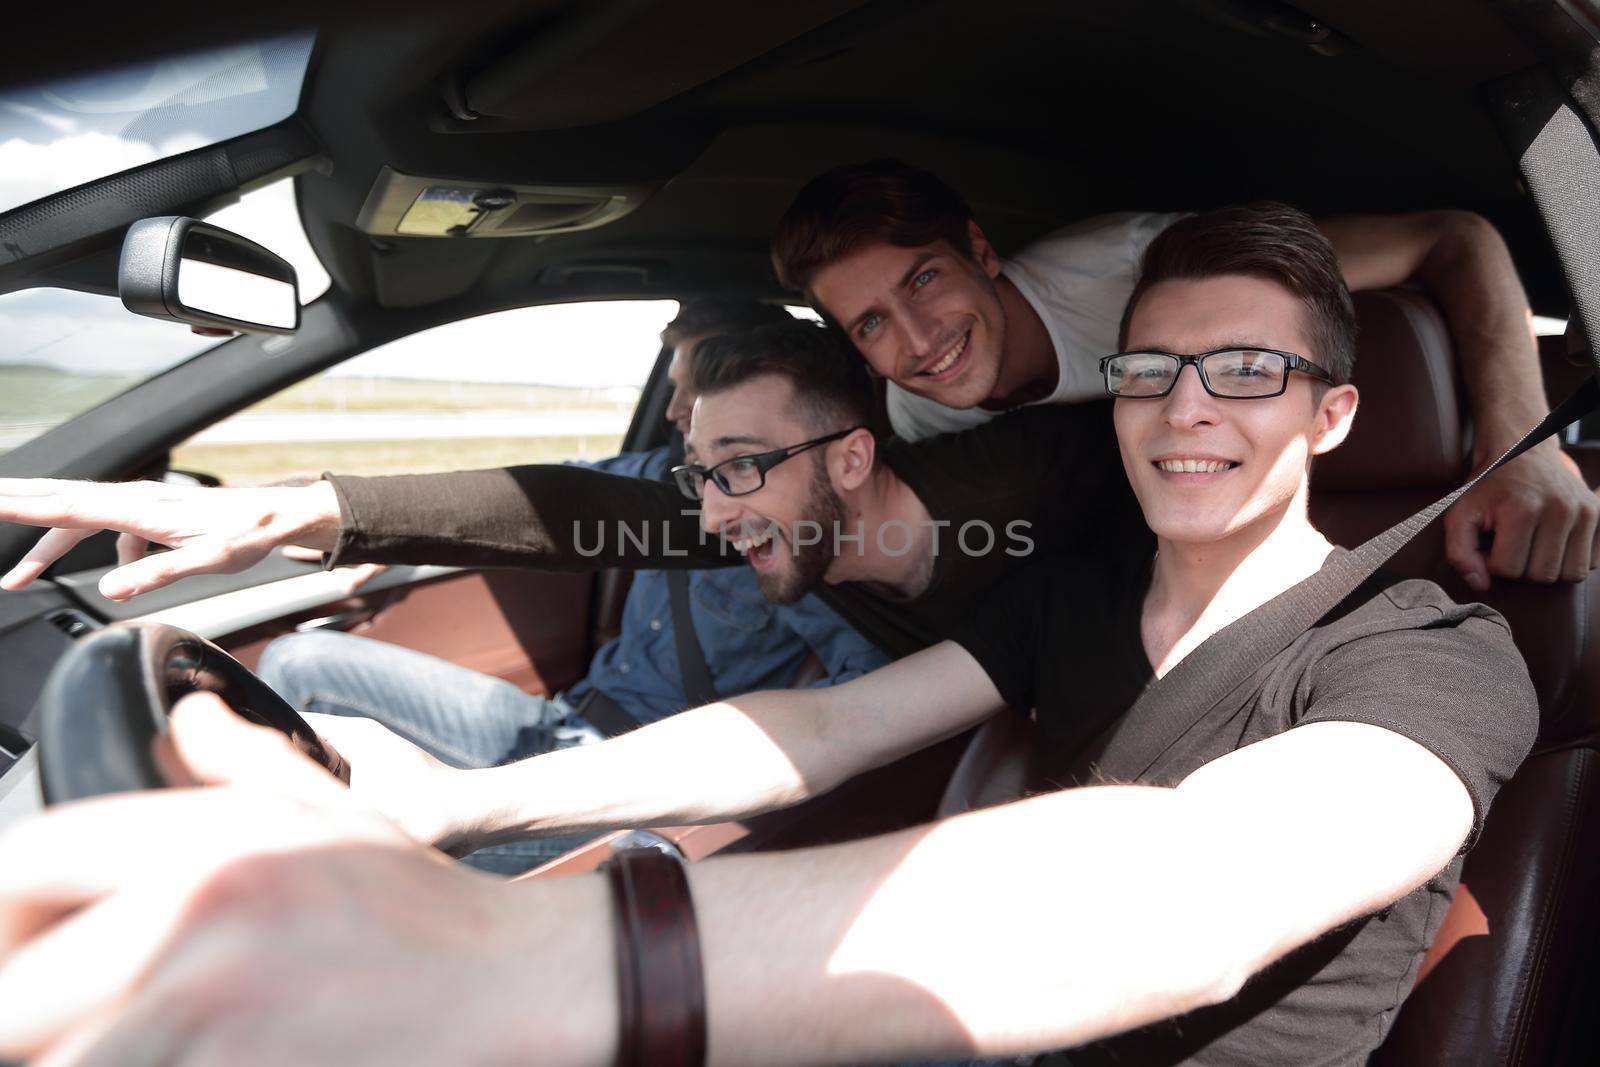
39,624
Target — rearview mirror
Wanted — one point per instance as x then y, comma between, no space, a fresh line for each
189,271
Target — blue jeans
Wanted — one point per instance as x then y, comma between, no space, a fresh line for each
1020,1061
462,717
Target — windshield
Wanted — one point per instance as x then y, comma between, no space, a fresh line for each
57,135
63,352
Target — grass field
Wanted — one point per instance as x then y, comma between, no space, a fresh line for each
33,394
391,395
34,397
259,464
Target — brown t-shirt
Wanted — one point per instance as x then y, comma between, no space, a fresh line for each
1043,482
1397,654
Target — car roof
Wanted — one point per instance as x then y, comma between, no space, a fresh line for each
1038,113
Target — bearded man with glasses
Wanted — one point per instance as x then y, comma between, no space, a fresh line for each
467,719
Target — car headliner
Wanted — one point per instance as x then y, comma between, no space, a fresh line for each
1039,112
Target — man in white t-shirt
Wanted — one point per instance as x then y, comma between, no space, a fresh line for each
895,258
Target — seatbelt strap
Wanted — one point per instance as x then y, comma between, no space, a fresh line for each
605,714
697,685
1232,658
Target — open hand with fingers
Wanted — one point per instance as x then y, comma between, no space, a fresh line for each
209,530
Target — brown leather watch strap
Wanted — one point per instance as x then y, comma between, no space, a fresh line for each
660,983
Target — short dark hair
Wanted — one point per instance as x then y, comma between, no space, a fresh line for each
881,200
706,315
1267,240
832,388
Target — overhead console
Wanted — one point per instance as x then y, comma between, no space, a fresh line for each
405,205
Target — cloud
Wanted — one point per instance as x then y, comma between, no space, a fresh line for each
29,170
90,334
61,125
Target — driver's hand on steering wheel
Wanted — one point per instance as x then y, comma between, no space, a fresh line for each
389,775
277,920
429,800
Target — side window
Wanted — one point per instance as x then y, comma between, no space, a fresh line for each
531,385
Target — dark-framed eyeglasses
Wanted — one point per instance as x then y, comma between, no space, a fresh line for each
1229,373
742,475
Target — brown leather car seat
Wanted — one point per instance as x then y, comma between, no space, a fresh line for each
1510,977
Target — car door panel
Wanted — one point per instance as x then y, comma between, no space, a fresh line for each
299,597
35,630
530,628
83,585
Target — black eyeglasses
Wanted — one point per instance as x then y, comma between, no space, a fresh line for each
743,475
1229,373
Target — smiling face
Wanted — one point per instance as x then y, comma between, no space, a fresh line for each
1206,469
929,318
785,528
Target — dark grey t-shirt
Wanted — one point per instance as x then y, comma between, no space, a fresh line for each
1397,654
1042,482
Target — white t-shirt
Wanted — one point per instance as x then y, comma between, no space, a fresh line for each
1078,279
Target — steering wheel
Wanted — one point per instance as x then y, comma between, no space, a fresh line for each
106,702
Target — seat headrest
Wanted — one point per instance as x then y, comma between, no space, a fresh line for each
1409,431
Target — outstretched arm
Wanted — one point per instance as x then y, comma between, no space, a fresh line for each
1544,519
1190,891
726,760
551,516
210,531
820,956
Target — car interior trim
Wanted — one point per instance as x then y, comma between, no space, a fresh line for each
20,795
229,613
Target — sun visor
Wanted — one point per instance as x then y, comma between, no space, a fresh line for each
600,61
404,205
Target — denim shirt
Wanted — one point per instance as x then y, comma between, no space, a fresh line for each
749,642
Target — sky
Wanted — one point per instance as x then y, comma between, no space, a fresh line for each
601,343
591,344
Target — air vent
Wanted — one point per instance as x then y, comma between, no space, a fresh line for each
404,205
72,622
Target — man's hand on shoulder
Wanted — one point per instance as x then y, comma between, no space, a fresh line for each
1543,517
210,531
